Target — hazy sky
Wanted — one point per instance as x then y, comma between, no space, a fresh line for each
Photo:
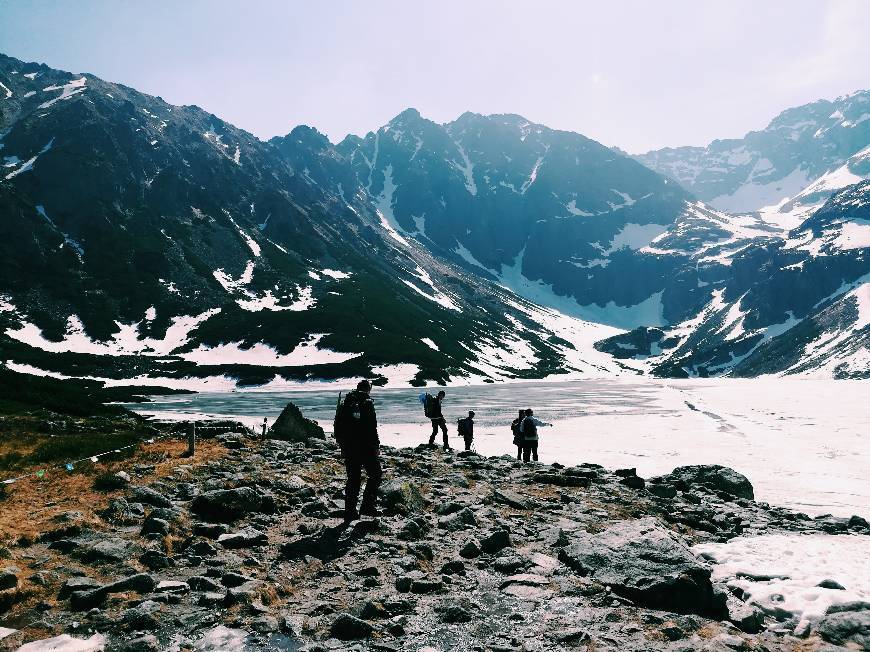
639,75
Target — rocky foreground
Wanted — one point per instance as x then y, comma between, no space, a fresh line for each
248,552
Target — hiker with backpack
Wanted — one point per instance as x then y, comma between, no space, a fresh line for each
518,436
432,409
356,431
466,429
529,430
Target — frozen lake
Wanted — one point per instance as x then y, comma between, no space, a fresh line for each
803,443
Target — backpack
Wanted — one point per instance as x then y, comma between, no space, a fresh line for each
428,402
464,427
340,422
515,429
529,429
347,413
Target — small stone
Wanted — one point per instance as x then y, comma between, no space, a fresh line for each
470,550
8,578
496,541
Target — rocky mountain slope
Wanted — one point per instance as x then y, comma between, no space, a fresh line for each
229,551
146,240
794,305
785,170
160,245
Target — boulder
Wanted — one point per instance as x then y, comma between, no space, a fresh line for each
496,541
470,549
713,476
510,498
107,550
348,628
458,520
292,426
647,564
850,629
226,505
401,497
746,617
247,538
8,578
149,496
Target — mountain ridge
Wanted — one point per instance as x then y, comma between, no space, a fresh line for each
489,221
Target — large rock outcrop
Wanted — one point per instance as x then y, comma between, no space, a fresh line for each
647,564
713,476
292,426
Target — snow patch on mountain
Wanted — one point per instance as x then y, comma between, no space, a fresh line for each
306,353
385,208
437,295
126,341
67,91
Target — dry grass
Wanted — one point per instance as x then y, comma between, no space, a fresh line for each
32,503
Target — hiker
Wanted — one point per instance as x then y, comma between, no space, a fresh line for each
529,429
356,430
518,436
438,421
265,423
466,429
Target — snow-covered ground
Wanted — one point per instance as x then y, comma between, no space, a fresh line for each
802,442
781,573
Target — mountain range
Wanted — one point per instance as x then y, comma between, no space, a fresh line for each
154,244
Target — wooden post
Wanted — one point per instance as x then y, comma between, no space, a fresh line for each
191,440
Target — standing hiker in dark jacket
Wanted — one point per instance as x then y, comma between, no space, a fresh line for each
529,429
438,421
466,429
357,433
518,436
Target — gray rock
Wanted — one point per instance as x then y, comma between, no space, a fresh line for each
231,580
107,550
171,586
470,549
200,583
495,541
401,497
662,490
831,584
454,610
8,578
210,530
147,643
510,498
292,426
155,526
647,564
426,585
458,520
247,538
155,560
746,617
846,628
143,616
76,584
349,628
714,476
227,505
149,496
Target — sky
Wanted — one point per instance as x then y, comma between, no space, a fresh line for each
639,75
